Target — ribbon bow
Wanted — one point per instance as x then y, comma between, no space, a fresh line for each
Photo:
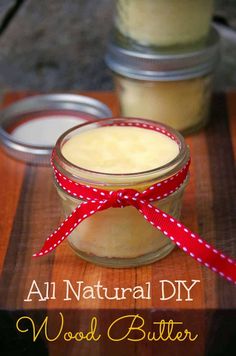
95,200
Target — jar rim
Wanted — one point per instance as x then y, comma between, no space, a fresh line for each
88,176
131,62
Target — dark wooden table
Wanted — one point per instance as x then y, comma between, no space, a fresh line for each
30,209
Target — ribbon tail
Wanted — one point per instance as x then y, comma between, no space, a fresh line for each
80,213
189,242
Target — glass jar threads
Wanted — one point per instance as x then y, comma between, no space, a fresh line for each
170,87
114,154
163,23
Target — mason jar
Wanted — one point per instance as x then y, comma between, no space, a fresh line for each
163,23
106,155
170,87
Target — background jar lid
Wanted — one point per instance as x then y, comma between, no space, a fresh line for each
30,127
148,64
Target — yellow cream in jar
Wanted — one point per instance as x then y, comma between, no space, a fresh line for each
173,86
121,237
164,23
116,149
183,105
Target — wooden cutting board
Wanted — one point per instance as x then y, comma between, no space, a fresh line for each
30,210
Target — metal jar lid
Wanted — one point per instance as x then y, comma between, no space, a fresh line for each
164,66
30,127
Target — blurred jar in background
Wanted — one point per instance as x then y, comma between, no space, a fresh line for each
164,23
170,87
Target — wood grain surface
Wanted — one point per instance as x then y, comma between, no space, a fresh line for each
30,210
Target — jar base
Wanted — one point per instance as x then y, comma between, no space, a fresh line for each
196,128
124,40
125,262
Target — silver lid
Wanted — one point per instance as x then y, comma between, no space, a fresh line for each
61,107
164,66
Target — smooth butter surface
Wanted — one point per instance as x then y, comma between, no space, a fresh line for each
115,149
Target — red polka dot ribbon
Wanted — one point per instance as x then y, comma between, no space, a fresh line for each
95,200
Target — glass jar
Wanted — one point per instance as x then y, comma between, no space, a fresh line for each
164,23
173,88
120,237
183,105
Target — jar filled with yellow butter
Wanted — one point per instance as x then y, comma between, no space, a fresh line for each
115,155
163,23
172,87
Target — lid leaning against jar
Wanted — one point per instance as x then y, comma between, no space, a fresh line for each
164,66
30,127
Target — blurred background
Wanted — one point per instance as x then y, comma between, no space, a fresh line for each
59,44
